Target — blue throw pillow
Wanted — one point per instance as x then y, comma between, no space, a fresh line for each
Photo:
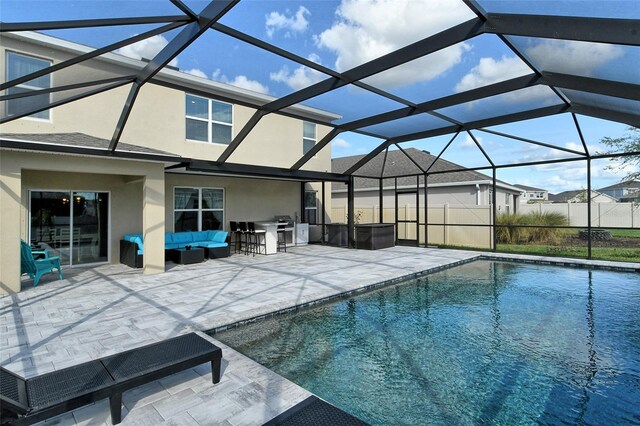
220,236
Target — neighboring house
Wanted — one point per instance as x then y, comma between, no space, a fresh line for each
633,197
580,197
532,195
622,190
465,187
61,184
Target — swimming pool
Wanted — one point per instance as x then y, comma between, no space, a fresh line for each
485,342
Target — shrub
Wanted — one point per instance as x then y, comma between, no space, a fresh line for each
519,229
508,231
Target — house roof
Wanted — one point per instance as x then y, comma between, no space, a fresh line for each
564,196
399,165
528,188
79,143
630,184
568,195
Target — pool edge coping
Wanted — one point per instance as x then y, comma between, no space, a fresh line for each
526,259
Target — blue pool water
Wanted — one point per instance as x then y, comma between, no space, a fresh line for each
482,343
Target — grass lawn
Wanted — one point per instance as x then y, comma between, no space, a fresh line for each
623,247
628,251
625,233
620,254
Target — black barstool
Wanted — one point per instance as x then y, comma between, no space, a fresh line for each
257,238
244,233
237,233
282,236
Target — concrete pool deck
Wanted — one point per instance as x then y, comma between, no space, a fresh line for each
108,309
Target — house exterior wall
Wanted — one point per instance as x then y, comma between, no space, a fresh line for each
245,199
141,193
136,202
467,195
157,118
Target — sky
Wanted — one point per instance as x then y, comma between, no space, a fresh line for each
342,34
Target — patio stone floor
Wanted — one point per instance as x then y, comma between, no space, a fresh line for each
111,308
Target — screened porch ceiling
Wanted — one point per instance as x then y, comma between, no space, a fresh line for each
535,87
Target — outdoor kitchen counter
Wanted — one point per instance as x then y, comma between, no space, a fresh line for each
271,235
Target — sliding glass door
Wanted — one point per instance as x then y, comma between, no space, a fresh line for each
73,225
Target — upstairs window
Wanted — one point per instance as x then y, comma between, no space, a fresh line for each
20,65
308,136
208,120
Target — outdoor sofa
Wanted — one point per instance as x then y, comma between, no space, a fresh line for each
215,241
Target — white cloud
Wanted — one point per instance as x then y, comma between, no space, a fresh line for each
240,81
573,176
489,71
197,72
296,23
468,142
572,57
147,49
340,143
300,77
537,153
368,29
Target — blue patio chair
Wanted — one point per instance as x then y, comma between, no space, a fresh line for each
37,268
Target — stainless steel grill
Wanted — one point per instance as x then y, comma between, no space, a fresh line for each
284,221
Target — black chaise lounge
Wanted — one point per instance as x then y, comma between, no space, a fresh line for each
25,402
314,411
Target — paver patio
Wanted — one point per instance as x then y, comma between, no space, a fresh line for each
108,309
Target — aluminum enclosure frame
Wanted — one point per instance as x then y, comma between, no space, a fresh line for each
192,25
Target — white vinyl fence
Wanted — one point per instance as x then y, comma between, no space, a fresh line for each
620,215
467,236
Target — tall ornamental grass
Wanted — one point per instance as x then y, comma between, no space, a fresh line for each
523,228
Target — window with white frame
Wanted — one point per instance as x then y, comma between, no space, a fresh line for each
19,65
198,209
311,207
208,120
308,136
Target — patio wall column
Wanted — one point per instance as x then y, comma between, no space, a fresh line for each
153,212
10,195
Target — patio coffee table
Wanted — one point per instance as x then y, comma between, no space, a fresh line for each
187,257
